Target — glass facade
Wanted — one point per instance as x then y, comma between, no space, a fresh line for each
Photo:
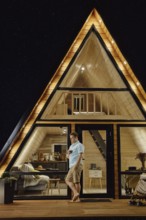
42,164
132,157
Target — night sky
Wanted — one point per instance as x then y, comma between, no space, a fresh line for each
36,35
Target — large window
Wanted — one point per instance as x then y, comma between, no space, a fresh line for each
132,149
42,162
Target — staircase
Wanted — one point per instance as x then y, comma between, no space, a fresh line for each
99,142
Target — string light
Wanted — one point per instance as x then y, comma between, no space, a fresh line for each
137,83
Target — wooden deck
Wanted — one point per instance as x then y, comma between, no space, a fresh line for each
64,209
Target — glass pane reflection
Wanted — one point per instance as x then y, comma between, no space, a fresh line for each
52,187
94,168
129,183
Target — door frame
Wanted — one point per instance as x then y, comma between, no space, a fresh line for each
109,158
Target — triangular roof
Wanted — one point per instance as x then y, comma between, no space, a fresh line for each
93,19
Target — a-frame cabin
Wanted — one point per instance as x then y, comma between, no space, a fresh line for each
95,92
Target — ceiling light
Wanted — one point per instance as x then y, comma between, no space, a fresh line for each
82,69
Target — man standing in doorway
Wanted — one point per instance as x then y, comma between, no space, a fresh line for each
75,154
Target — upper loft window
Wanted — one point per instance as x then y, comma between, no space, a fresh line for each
92,68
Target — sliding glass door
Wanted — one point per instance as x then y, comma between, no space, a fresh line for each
98,172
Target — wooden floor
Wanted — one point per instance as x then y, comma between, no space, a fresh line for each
64,209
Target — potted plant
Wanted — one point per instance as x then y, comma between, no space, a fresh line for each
7,188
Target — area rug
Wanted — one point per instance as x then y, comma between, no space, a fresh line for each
96,200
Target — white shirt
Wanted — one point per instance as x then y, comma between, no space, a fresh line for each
76,149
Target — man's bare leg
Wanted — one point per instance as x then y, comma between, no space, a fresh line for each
78,188
74,190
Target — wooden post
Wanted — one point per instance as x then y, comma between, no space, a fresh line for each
107,103
116,180
94,102
72,127
64,103
87,102
100,98
80,101
72,104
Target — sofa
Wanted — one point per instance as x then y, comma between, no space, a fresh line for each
29,182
